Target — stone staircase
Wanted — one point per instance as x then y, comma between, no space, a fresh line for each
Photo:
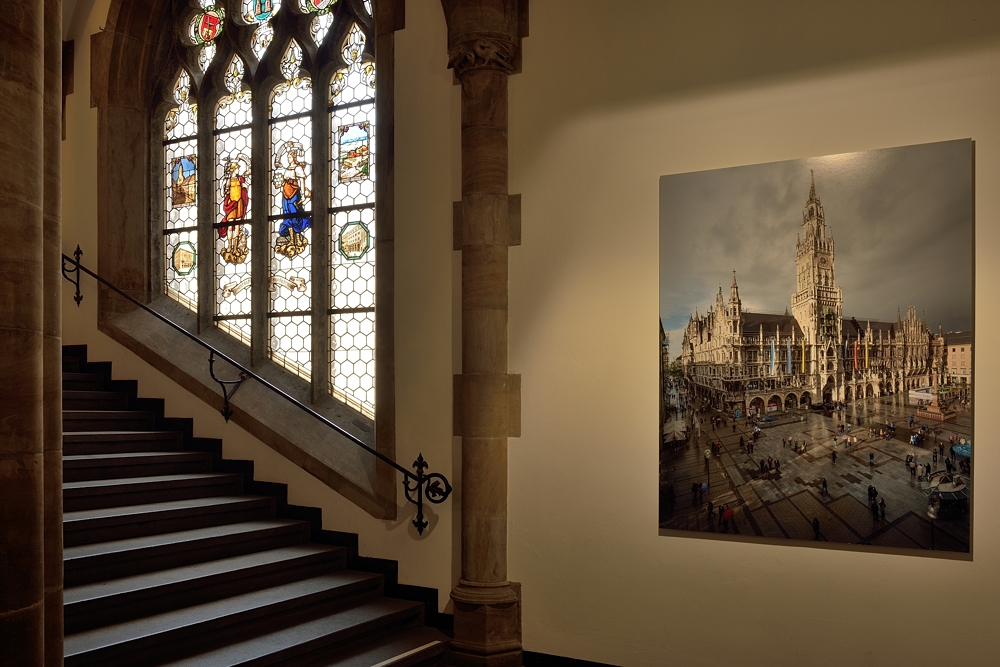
174,556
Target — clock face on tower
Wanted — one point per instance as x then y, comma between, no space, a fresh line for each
822,261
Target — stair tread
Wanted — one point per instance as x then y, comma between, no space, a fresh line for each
92,393
296,636
92,436
120,633
167,506
106,413
123,483
397,650
119,457
149,580
177,537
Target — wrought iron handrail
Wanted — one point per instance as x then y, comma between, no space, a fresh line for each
433,487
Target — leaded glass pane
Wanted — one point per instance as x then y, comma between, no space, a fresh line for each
181,191
316,6
205,56
233,147
259,11
353,354
290,216
352,128
352,190
181,279
262,37
320,26
353,260
207,25
291,342
180,196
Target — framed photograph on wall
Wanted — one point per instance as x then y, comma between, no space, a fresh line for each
816,328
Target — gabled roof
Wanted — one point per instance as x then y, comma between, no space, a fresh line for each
786,323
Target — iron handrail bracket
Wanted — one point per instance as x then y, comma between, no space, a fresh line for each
433,487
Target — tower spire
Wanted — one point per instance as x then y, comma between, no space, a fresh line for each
812,185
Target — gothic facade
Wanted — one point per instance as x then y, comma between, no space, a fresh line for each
753,362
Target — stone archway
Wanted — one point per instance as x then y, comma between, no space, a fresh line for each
805,400
774,403
847,394
829,390
869,391
791,401
757,406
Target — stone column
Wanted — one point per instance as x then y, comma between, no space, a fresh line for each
52,333
483,41
21,283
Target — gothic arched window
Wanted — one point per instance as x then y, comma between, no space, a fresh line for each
268,212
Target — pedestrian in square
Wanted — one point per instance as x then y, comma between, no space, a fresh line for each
704,488
871,459
710,508
816,528
784,442
721,510
881,508
934,457
833,455
824,486
777,465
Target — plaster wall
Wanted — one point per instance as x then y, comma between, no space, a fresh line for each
612,96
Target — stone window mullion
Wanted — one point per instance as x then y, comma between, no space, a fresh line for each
321,282
260,259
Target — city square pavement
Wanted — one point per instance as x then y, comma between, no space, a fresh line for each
782,503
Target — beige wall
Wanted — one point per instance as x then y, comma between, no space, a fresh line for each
683,87
424,95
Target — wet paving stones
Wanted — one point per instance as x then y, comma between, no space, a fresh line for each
781,502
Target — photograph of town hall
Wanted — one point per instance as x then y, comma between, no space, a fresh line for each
815,388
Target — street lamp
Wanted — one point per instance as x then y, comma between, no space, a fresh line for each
932,512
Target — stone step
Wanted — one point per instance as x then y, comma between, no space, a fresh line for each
325,635
111,442
217,623
120,523
78,468
102,561
118,600
82,382
94,494
413,647
108,420
94,400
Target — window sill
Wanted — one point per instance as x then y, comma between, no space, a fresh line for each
308,443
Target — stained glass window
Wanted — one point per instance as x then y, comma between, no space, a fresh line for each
290,217
233,147
180,215
204,28
249,197
352,214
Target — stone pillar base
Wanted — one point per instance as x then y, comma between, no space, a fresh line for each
487,625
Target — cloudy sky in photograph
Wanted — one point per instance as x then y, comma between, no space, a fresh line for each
901,219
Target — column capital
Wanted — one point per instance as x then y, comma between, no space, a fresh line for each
493,52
